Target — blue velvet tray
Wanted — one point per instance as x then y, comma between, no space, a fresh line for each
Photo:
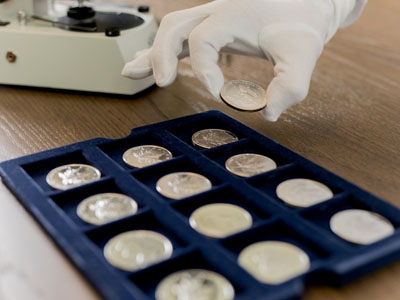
333,260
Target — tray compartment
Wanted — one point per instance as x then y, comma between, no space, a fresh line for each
223,153
38,170
223,194
277,230
69,200
268,182
145,220
149,278
150,175
116,148
185,132
321,213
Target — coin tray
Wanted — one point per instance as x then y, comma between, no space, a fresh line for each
333,260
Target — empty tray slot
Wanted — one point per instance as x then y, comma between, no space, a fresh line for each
38,170
68,201
268,182
115,149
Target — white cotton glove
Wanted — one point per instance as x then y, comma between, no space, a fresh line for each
289,33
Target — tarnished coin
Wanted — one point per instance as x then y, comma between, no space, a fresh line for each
69,176
244,95
195,284
249,164
360,226
303,192
137,249
220,220
274,262
103,208
210,138
180,185
145,155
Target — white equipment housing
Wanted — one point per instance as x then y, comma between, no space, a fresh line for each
51,57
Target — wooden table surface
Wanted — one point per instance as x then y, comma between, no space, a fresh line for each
349,124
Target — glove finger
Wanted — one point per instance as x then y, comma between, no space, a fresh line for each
140,66
204,44
294,50
168,44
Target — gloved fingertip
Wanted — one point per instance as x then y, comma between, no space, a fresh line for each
162,80
269,116
136,69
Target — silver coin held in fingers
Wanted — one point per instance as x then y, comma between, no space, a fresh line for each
244,95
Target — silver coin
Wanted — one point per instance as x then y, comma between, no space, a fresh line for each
103,208
195,284
249,164
360,226
210,138
274,262
72,175
145,155
220,220
180,185
301,192
244,95
137,249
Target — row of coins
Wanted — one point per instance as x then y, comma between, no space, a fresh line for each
297,192
220,220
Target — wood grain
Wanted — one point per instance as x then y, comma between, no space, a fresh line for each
349,124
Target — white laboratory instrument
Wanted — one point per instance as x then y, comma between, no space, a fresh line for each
68,45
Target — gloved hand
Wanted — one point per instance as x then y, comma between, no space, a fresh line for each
289,33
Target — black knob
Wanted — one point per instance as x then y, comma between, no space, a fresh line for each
81,12
112,31
143,8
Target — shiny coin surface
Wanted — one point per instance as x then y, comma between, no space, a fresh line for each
145,155
69,176
137,249
303,192
249,164
244,95
180,185
195,284
360,226
274,262
219,220
210,138
103,208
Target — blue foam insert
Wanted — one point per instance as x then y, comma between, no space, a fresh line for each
333,260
